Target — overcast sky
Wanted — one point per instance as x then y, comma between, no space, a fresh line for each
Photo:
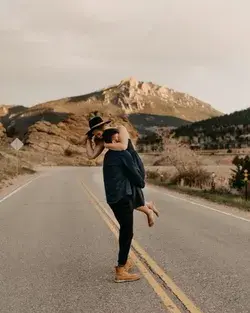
56,48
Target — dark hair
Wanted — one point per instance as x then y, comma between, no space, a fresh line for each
108,133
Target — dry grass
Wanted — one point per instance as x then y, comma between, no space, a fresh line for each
222,173
186,162
178,158
11,166
184,168
187,175
219,196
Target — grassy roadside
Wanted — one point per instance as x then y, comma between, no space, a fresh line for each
216,196
10,167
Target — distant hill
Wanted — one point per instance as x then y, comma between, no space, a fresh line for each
149,123
227,131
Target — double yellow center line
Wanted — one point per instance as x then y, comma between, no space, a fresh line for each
151,264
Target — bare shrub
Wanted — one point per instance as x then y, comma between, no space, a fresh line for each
158,176
152,175
193,177
180,155
162,161
187,162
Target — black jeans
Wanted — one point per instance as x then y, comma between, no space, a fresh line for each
123,211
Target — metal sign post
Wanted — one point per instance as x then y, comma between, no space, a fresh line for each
17,145
246,182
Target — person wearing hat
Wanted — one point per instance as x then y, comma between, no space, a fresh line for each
120,173
95,147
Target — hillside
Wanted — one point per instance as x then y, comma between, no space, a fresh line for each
223,132
149,123
140,105
10,110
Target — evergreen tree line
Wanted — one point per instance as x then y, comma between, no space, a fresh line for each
237,124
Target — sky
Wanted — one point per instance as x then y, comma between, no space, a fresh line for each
52,49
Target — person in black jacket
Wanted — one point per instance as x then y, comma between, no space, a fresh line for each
120,174
95,146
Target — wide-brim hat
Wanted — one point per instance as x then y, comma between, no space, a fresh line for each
95,123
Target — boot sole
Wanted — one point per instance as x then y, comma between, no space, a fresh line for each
126,281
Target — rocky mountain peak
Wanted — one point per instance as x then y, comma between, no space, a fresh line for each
134,96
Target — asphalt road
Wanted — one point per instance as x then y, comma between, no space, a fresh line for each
57,253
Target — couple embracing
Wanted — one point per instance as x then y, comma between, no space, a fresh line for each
124,179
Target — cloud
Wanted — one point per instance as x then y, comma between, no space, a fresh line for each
52,49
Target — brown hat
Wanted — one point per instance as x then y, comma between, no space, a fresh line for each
95,123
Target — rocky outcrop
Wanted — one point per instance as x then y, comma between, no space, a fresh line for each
58,138
11,110
66,137
4,109
2,134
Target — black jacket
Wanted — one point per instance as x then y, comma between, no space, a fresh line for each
119,173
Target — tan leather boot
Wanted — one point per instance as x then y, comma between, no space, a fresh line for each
129,265
123,276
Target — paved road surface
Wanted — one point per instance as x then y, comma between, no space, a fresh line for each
57,254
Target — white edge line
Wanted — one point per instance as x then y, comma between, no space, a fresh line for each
201,205
18,189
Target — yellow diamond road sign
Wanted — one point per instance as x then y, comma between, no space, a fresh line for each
16,144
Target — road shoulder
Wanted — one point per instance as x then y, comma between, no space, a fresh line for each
17,182
201,202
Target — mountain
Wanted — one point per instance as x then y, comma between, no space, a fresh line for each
132,96
222,132
145,106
